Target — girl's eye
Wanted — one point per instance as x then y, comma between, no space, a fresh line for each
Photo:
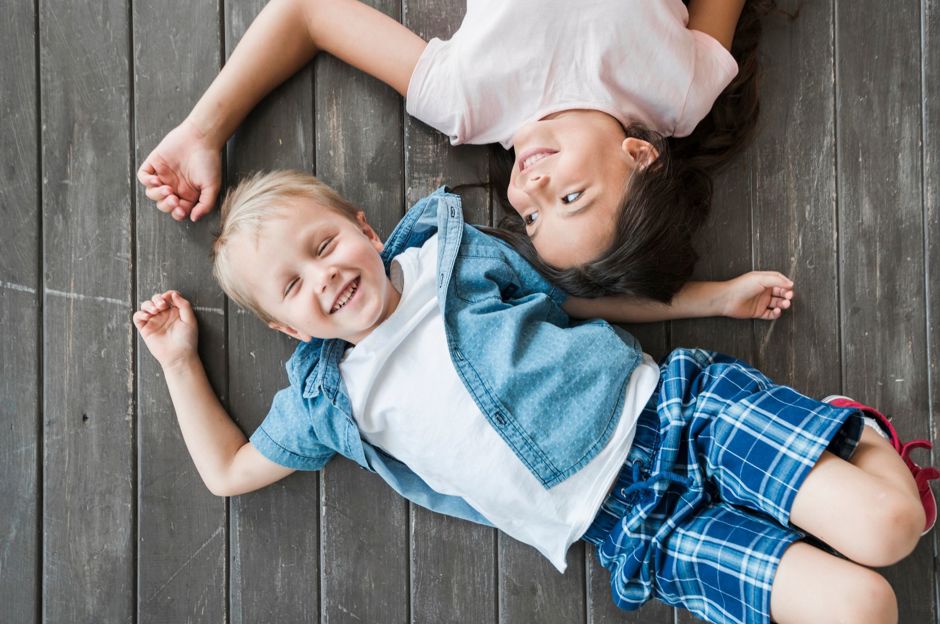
290,286
531,218
571,197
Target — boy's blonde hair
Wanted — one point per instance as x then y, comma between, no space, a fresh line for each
246,208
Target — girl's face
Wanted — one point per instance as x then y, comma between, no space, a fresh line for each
571,171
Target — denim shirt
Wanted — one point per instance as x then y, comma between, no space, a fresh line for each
551,387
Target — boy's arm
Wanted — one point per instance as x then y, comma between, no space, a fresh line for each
716,18
228,464
755,295
183,173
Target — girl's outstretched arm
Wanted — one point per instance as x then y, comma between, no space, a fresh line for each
183,173
716,18
756,295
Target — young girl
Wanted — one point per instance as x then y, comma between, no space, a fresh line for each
443,362
583,92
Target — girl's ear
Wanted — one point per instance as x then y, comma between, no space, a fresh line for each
290,331
641,152
369,232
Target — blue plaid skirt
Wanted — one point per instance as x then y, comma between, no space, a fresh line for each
699,515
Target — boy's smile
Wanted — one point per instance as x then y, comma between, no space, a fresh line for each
317,272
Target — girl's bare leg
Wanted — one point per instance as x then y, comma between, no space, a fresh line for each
867,509
813,586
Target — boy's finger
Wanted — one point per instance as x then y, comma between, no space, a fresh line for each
186,310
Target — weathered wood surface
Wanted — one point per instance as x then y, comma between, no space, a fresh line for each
105,518
182,531
89,453
20,319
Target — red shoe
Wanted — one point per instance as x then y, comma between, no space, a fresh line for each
922,476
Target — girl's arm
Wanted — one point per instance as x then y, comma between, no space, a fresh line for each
716,18
228,464
755,295
183,173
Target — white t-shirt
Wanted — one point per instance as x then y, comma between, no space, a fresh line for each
516,61
408,400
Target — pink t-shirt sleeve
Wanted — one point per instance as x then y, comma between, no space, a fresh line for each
715,68
435,92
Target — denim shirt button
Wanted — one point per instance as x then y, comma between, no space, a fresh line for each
499,418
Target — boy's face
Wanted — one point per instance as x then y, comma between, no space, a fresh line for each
568,181
318,272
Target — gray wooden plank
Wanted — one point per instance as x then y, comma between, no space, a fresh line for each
532,590
930,57
364,525
881,221
794,198
275,531
453,576
182,527
88,407
20,317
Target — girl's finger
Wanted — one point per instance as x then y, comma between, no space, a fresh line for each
148,307
140,319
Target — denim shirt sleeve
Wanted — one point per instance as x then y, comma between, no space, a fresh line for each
287,436
529,278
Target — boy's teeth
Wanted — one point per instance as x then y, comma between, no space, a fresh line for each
347,294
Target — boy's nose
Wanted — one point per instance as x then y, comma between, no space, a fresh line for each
328,277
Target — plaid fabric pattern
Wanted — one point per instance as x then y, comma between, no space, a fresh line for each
699,514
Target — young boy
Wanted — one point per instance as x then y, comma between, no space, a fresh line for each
440,359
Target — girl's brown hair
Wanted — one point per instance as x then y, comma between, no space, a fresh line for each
652,253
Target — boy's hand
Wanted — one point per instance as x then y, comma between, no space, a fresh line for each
756,295
168,326
183,173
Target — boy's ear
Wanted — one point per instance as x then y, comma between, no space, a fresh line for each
641,152
290,331
368,231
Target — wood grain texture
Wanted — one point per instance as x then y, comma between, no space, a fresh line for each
88,379
930,58
881,221
275,531
366,570
791,169
20,318
182,527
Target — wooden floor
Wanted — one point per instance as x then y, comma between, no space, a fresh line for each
103,516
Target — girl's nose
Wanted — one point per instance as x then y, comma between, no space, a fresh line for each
537,181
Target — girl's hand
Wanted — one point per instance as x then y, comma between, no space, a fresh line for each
183,173
168,326
756,295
